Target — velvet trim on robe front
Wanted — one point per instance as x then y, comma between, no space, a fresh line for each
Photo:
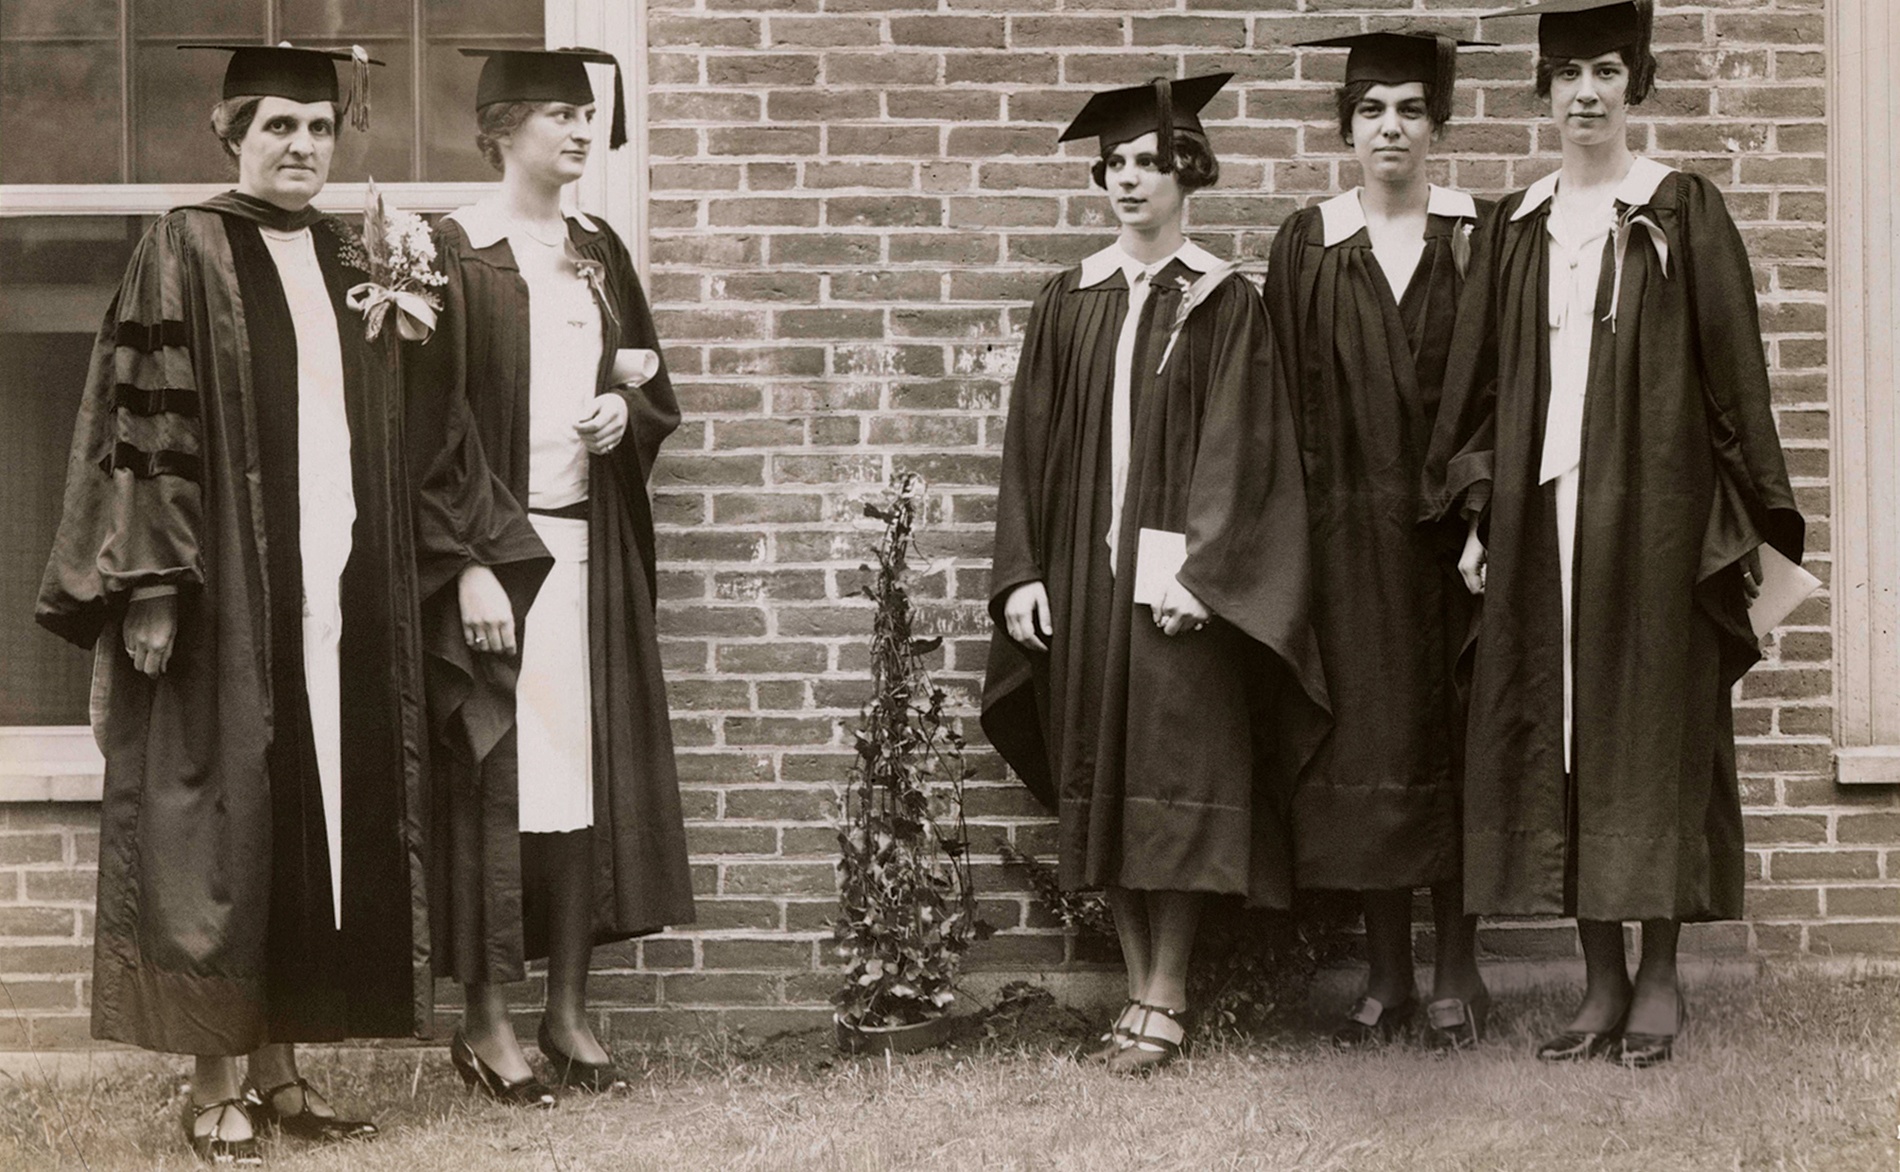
215,929
1682,475
469,394
1169,760
1363,367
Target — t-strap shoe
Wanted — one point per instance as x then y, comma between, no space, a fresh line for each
211,1146
1120,1033
1156,1042
1372,1021
1454,1023
304,1123
569,1071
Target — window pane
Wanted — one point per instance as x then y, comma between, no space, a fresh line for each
57,275
172,140
332,24
387,151
220,21
59,112
485,18
70,17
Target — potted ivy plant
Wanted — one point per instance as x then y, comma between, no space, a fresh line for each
906,907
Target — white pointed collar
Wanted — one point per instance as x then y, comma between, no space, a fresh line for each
1343,215
1111,260
1637,188
486,223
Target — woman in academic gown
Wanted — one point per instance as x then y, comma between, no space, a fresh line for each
557,821
1362,291
1145,414
1607,433
236,550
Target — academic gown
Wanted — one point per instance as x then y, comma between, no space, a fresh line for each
470,406
215,930
1682,474
1169,760
1363,365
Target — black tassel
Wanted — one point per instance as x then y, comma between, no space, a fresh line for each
1164,124
1444,80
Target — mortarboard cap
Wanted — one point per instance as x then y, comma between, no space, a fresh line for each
296,74
1396,57
548,75
1589,28
1162,106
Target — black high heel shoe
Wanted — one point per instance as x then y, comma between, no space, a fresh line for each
212,1147
1148,1051
1582,1045
303,1122
1117,1038
1641,1051
527,1092
572,1072
1371,1021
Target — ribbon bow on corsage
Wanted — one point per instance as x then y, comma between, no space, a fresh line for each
1192,294
415,317
1628,218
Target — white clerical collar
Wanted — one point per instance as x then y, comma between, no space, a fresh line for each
1343,215
487,223
1637,188
1111,260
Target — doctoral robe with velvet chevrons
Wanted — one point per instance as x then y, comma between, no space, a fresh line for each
469,420
1682,474
215,929
1363,364
1169,759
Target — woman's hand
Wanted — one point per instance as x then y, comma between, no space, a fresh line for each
1180,611
1472,562
605,425
1026,615
1751,575
488,618
150,626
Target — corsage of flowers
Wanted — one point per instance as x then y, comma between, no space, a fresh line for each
398,253
1192,294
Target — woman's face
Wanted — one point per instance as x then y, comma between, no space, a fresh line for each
1143,196
284,157
551,145
1392,133
1588,99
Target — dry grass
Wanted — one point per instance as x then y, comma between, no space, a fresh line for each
1789,1072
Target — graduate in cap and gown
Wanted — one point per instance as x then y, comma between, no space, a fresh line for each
236,549
1153,671
1362,292
1606,432
557,816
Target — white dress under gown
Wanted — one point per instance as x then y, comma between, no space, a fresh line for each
553,704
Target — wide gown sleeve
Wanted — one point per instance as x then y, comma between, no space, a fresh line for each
653,408
1754,493
1017,559
133,508
1459,463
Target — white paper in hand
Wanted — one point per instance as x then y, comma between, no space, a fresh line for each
1784,586
632,368
1159,556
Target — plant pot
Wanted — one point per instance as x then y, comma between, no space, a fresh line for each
903,1039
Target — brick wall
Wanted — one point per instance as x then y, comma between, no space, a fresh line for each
853,202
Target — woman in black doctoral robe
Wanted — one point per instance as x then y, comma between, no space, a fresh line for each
1607,432
1145,415
1362,291
557,808
236,550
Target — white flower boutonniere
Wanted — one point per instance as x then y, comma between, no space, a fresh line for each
1192,294
595,274
1627,220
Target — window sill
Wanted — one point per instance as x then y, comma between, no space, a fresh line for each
50,764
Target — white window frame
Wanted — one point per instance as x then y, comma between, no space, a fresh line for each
60,763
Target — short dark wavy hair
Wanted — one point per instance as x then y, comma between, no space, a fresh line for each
1194,167
498,120
1640,62
1347,97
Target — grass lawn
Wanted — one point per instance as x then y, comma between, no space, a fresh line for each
1795,1071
